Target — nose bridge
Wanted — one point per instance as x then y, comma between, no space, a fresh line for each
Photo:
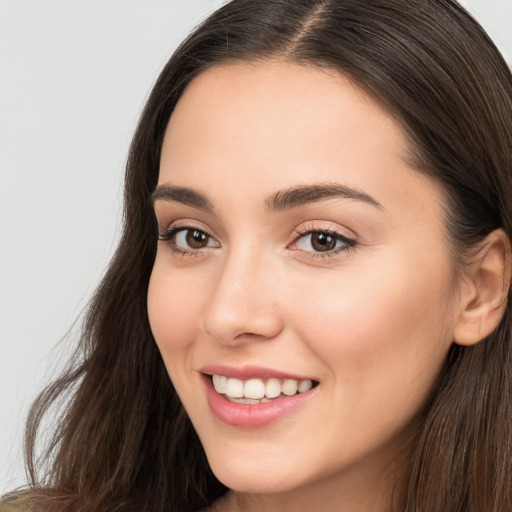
243,300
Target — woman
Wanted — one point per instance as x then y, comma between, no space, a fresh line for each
317,253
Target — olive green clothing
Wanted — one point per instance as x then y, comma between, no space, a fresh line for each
15,506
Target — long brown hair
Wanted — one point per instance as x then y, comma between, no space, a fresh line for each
124,441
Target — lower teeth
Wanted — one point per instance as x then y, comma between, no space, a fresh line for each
263,400
247,400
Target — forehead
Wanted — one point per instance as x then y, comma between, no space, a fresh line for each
272,125
277,93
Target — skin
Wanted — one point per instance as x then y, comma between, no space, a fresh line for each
372,322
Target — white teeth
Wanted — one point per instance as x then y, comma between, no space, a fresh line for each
235,388
304,385
273,388
247,400
289,387
220,383
254,388
257,390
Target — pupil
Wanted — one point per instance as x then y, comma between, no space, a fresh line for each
196,239
323,242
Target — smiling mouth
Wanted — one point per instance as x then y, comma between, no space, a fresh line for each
256,391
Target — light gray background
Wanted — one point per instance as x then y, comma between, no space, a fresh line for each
73,77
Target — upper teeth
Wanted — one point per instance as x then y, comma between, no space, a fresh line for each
258,388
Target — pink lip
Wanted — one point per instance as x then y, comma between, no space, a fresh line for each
252,415
249,372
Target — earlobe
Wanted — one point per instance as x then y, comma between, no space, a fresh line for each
485,290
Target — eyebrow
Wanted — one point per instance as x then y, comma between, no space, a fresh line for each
182,195
279,201
298,196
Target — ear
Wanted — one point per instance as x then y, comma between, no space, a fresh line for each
484,290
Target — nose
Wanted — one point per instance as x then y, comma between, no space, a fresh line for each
243,306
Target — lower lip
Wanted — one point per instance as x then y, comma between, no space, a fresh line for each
252,415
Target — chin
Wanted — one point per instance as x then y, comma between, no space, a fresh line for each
245,476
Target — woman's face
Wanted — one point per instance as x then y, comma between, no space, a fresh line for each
298,245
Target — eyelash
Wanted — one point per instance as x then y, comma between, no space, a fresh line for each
348,244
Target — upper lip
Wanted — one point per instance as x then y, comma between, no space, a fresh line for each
247,372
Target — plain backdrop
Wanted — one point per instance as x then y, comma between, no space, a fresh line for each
74,75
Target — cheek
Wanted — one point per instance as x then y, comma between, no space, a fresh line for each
381,343
386,324
173,310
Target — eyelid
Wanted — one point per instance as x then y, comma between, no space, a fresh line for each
315,226
187,224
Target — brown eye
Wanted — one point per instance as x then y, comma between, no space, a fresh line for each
196,239
188,240
323,242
